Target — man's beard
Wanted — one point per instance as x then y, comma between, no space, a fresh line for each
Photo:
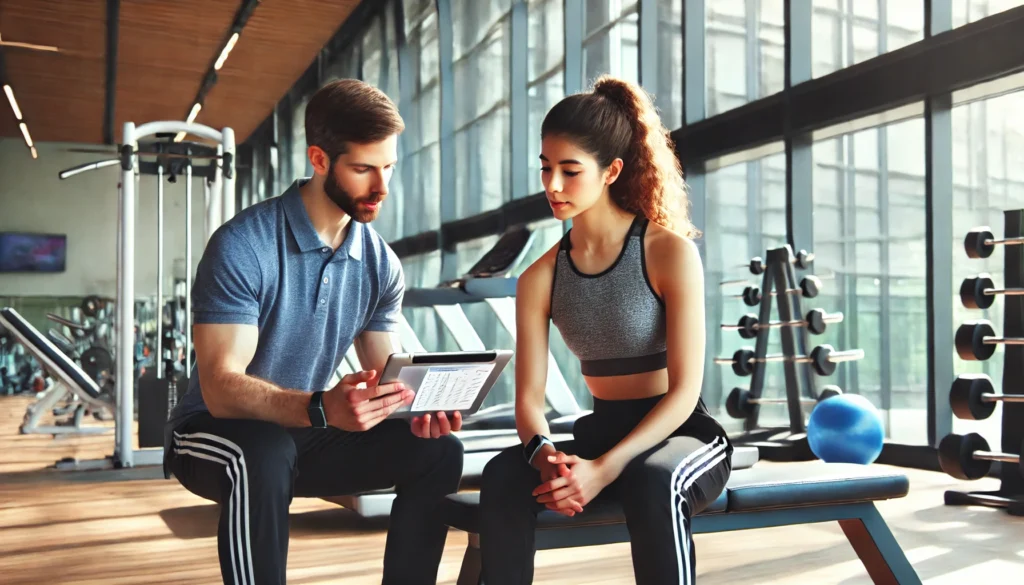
349,204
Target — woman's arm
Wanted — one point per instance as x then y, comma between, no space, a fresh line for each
677,275
533,294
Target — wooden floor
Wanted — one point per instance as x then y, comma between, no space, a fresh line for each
132,526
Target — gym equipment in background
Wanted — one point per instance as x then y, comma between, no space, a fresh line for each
973,396
846,429
780,286
219,191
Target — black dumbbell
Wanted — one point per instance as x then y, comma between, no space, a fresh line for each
976,340
968,456
739,404
802,261
823,359
973,397
979,292
815,321
980,242
810,286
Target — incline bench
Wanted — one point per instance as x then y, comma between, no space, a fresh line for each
69,380
758,497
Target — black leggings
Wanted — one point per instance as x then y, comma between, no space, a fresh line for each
254,468
659,491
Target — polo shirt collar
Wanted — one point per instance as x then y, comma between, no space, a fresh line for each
302,227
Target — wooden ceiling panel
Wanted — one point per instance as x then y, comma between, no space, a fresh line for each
280,41
60,94
164,52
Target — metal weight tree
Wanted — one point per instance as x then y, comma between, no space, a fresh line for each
779,284
972,396
220,206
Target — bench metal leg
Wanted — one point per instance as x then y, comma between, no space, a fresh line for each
877,548
471,565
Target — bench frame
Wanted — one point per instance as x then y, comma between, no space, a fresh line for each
861,522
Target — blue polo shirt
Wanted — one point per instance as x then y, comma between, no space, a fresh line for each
268,267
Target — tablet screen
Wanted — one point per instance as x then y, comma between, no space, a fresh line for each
448,387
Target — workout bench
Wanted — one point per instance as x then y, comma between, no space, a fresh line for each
758,497
68,381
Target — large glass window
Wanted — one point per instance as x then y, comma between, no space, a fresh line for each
965,11
545,71
869,246
745,217
745,55
988,178
846,32
610,33
482,114
668,95
418,167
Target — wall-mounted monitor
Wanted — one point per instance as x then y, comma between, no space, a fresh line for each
28,252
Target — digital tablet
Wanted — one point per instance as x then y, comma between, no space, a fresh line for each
445,381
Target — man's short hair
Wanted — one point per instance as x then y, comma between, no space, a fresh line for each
350,111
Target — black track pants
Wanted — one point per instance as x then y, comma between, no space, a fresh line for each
659,491
254,468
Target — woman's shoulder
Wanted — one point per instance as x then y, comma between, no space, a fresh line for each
539,274
670,252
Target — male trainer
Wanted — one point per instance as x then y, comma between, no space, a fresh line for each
283,289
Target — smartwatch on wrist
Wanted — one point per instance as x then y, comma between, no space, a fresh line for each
317,416
531,449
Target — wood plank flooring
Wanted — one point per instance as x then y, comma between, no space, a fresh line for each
132,526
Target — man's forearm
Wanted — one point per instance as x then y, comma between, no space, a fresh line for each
243,396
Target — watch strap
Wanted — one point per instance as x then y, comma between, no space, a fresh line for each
317,416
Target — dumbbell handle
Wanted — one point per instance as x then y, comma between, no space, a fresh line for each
1004,291
835,357
1002,397
996,456
1005,241
1003,340
829,318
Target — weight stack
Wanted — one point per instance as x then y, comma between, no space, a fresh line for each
153,407
1010,494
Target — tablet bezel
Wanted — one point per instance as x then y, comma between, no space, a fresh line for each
396,361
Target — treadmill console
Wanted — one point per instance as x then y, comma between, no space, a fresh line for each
501,258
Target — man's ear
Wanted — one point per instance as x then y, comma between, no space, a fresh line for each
611,174
319,159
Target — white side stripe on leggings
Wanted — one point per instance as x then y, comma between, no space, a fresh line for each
238,502
688,471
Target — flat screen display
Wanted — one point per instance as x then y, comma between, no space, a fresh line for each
21,252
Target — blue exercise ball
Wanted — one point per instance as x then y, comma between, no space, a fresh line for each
846,429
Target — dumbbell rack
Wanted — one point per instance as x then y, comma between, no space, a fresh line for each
1010,494
781,443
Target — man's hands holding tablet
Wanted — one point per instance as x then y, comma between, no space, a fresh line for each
358,403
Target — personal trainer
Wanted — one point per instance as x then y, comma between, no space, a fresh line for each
625,289
283,289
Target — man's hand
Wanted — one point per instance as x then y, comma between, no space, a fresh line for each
578,488
551,471
353,405
427,427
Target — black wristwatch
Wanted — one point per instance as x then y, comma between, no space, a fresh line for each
531,449
317,417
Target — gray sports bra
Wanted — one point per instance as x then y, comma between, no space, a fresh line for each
612,321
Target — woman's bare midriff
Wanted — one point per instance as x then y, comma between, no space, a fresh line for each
632,386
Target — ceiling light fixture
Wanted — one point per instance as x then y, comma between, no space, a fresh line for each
14,103
227,50
24,132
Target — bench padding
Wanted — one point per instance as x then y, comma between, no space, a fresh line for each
749,490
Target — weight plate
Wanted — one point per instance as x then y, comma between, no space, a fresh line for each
829,391
742,364
972,292
965,397
91,305
751,296
810,286
956,456
748,326
815,321
970,340
736,404
974,243
97,363
756,265
820,360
